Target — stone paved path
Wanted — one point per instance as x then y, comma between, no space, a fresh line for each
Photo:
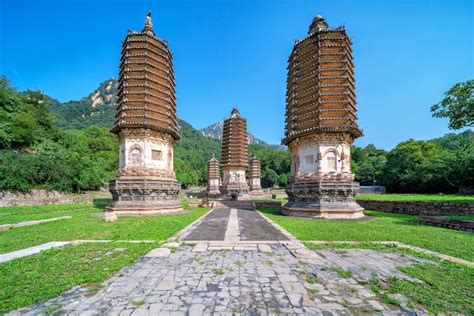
235,225
284,278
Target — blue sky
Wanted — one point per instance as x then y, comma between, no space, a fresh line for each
226,53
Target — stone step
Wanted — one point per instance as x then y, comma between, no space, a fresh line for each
219,246
236,204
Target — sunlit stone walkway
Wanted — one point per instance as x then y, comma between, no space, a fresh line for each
266,276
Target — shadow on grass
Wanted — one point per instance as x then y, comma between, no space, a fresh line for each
101,203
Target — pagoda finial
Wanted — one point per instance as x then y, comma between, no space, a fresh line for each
235,112
319,24
148,24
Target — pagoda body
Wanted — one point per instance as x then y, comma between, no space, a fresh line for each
234,161
254,178
213,176
147,127
321,125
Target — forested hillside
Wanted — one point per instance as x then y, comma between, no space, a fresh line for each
44,144
98,108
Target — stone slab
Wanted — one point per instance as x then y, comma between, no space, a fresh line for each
200,247
30,223
159,253
32,250
264,248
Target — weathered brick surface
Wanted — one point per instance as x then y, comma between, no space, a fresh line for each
419,208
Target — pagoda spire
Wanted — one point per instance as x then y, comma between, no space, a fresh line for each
319,24
148,28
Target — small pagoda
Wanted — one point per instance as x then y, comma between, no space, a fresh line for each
147,128
254,177
234,161
213,176
321,125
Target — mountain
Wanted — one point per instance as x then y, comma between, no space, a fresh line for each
215,130
98,108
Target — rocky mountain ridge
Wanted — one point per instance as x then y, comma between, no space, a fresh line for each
214,131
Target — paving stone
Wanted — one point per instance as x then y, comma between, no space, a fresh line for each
172,244
376,305
200,247
158,253
264,248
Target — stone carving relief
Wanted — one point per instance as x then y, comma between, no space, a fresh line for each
136,155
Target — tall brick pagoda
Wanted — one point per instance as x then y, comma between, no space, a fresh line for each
321,125
234,161
213,176
147,127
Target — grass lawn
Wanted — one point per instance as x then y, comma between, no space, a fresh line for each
38,278
12,215
452,198
385,226
463,217
446,287
86,223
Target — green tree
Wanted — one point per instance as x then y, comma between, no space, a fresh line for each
269,178
282,180
24,117
185,174
457,105
416,166
368,164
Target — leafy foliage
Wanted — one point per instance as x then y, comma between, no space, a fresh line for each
457,105
415,166
24,118
368,164
275,165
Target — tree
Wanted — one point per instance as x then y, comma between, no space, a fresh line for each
24,118
282,180
417,167
368,164
457,105
269,178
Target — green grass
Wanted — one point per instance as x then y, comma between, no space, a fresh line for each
452,198
446,287
38,278
345,274
463,217
88,224
385,226
12,215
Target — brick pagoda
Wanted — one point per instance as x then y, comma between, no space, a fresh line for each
254,176
147,127
213,176
321,125
234,161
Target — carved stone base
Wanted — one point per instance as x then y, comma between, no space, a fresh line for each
240,188
142,196
214,192
323,199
